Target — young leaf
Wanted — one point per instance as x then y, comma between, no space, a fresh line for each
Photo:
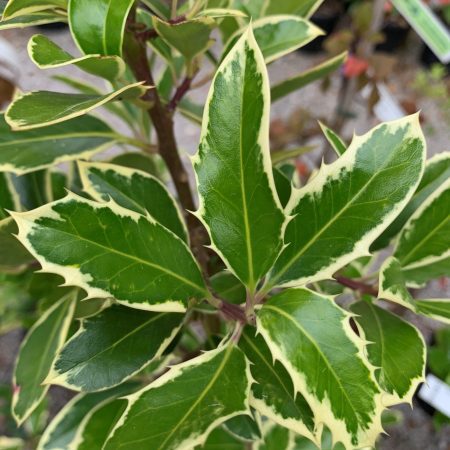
273,394
423,247
28,151
17,8
66,427
437,171
303,79
43,108
245,428
302,8
190,38
238,201
336,142
339,213
312,337
112,346
135,190
396,349
277,36
184,405
97,26
36,356
110,251
47,55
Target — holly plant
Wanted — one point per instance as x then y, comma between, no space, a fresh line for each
205,310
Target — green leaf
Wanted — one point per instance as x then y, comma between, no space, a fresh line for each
303,79
245,428
340,212
303,8
290,153
283,186
277,36
437,171
423,247
336,142
184,405
219,439
134,190
47,55
190,38
11,443
238,201
112,346
13,255
227,286
110,251
438,309
396,349
36,356
273,394
9,199
97,27
150,164
312,337
43,108
16,8
159,7
99,424
27,151
275,438
66,427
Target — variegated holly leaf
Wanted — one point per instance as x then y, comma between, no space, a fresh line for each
66,428
18,8
110,251
228,287
336,142
112,346
36,356
437,171
47,55
184,405
392,287
303,8
134,190
340,212
396,349
438,309
98,424
301,80
28,151
275,437
277,36
423,247
312,337
283,186
43,108
97,27
31,20
190,37
273,394
238,201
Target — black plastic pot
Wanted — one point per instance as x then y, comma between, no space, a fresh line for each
394,37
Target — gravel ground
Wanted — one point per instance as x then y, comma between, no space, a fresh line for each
417,432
